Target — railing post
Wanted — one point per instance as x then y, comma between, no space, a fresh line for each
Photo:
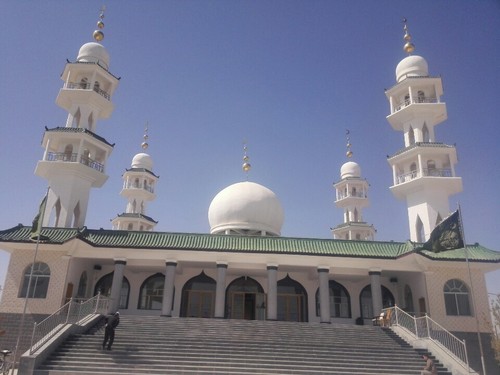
416,327
466,357
396,312
427,324
69,309
97,302
33,338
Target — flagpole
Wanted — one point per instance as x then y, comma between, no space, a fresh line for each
41,214
472,292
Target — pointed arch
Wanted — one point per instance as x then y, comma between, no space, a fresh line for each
292,300
340,300
425,133
39,283
411,136
104,285
409,307
151,293
198,297
245,299
82,285
366,303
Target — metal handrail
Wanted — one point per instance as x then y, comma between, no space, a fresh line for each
426,328
70,313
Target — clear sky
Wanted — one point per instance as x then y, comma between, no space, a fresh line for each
287,76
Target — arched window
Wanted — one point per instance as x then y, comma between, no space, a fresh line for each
68,151
456,298
431,168
104,287
407,99
358,236
83,83
82,285
130,226
356,219
245,299
425,133
411,136
365,300
39,284
151,293
340,301
198,297
292,301
413,170
97,86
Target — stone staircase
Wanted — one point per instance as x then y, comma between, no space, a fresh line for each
157,345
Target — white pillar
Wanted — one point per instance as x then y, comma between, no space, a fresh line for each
116,285
168,288
272,292
324,294
376,288
220,290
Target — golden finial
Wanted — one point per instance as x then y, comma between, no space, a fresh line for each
145,144
98,34
246,165
409,47
348,145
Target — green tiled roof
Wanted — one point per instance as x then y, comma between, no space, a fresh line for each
252,244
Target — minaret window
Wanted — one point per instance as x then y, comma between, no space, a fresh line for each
136,183
39,284
84,83
425,133
130,226
456,298
431,168
421,97
411,136
354,192
77,117
413,170
134,207
68,153
97,86
356,215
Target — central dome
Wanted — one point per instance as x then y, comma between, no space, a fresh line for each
246,207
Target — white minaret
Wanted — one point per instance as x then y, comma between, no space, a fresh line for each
423,171
75,157
352,197
138,188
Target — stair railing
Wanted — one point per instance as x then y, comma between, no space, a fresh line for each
426,328
70,313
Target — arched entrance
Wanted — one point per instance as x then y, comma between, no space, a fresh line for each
292,301
245,299
340,300
365,300
104,287
198,297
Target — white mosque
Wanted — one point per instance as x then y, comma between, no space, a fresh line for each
243,268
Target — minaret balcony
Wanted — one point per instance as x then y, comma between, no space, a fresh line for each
140,186
73,157
427,172
86,86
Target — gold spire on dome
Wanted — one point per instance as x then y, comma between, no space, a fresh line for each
409,47
348,145
145,144
98,34
246,165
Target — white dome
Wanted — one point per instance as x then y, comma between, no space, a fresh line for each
415,66
94,52
142,160
350,169
246,206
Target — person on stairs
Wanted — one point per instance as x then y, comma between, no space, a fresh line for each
109,331
430,367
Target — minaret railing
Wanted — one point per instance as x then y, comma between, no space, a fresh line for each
86,86
73,157
418,100
426,172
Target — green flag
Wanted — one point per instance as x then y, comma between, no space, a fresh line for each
36,228
447,235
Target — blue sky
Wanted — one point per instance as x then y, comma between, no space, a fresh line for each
289,77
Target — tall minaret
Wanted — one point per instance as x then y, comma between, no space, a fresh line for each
352,197
424,170
75,157
138,188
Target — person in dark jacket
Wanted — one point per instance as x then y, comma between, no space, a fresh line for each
109,332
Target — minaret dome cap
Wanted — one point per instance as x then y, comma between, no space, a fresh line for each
142,160
350,169
412,66
94,52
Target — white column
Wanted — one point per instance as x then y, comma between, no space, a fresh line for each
272,292
168,288
220,290
376,288
116,285
324,294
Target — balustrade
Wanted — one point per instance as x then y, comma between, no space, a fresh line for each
73,157
86,86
